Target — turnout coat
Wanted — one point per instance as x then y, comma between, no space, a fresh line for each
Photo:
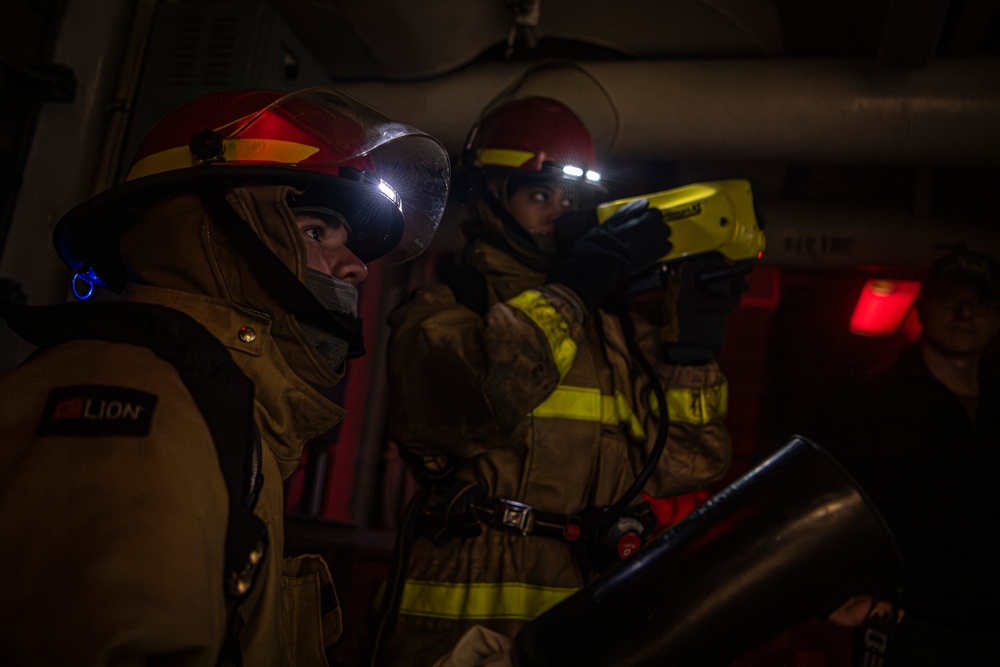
539,403
113,495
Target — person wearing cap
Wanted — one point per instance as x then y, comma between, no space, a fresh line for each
146,442
521,396
923,439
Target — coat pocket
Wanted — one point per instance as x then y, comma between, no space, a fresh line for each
312,611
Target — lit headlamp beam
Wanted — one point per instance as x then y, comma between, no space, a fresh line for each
389,193
572,171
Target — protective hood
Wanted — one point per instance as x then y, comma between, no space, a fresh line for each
179,245
493,224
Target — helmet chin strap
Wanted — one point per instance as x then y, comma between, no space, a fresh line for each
282,284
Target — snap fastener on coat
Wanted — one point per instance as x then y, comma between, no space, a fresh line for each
247,335
242,586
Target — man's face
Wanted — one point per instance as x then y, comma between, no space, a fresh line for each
536,207
326,249
960,320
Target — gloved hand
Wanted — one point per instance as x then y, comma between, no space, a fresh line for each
702,305
604,259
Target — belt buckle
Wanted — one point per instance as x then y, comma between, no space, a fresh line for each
515,516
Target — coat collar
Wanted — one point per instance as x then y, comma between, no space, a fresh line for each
288,410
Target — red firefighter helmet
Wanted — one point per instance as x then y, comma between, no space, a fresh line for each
389,180
533,135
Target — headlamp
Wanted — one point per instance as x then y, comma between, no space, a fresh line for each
389,193
572,171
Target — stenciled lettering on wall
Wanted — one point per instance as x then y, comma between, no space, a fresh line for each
818,245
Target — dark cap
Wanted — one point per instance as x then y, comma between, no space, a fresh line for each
965,268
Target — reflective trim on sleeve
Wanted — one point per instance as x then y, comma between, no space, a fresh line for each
695,406
533,304
588,404
479,601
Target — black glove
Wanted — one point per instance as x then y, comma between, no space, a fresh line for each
710,288
604,259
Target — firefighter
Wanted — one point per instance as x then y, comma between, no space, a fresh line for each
519,393
147,440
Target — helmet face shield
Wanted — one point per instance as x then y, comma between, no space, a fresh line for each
400,174
418,170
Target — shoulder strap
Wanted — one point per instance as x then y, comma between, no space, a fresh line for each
223,393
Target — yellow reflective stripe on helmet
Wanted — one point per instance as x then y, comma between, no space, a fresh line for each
588,404
695,406
479,601
246,150
548,319
502,157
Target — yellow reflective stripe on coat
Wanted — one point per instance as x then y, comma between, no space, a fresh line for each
696,406
480,601
247,150
548,319
691,406
589,405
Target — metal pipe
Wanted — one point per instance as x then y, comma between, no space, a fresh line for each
119,109
809,110
844,236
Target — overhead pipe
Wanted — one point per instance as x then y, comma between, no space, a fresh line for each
808,110
842,235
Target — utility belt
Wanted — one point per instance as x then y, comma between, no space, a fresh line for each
462,509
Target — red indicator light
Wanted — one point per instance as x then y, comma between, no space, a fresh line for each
882,306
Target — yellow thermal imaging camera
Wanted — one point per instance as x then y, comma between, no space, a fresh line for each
714,216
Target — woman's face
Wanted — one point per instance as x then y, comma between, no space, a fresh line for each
536,207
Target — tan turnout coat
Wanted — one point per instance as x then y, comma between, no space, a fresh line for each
539,406
111,546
